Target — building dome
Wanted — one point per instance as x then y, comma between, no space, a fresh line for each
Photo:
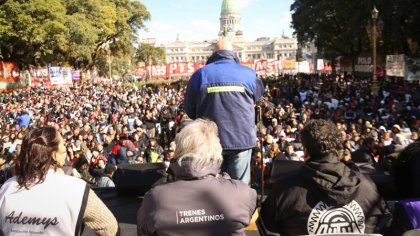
230,7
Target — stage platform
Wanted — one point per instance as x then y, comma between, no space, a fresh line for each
125,207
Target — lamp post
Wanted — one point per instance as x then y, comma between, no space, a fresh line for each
150,67
375,87
109,64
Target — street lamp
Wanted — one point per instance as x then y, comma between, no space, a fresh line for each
109,59
375,87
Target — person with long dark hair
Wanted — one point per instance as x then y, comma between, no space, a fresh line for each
41,200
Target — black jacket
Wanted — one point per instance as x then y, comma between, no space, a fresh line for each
325,197
403,218
363,155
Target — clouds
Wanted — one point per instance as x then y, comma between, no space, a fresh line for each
161,26
196,29
196,20
286,18
157,29
262,23
245,3
199,29
203,25
269,22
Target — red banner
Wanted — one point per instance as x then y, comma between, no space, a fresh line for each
266,67
168,70
39,76
183,68
9,72
140,71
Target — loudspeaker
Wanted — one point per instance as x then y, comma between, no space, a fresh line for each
137,179
283,168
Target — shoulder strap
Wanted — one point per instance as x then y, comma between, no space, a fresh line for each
79,226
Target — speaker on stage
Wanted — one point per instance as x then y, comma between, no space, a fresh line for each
137,179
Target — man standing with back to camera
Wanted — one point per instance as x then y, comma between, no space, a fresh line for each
226,91
327,196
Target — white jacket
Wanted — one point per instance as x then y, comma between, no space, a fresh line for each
54,207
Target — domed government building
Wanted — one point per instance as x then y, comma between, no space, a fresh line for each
230,26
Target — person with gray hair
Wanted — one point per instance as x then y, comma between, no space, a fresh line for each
200,201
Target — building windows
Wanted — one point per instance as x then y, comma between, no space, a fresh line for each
249,50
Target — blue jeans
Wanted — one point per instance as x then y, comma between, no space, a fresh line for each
236,163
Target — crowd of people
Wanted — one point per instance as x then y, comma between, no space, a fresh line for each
106,124
328,121
101,124
374,129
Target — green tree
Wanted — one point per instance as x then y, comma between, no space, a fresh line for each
68,32
401,32
339,27
32,31
150,54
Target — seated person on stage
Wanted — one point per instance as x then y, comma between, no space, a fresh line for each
199,202
326,196
407,175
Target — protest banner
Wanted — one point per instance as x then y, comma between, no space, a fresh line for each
320,64
39,76
412,69
395,65
363,64
266,67
75,75
9,76
9,72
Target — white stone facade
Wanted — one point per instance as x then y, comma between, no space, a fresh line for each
263,48
230,26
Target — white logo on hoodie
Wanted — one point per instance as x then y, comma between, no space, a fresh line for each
326,219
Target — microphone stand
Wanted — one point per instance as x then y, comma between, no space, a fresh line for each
259,120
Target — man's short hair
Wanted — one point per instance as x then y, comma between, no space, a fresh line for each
223,44
369,141
320,138
288,144
110,169
199,142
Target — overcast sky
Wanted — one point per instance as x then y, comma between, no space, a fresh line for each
199,19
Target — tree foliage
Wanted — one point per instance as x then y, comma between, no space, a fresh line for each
339,27
68,32
150,54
